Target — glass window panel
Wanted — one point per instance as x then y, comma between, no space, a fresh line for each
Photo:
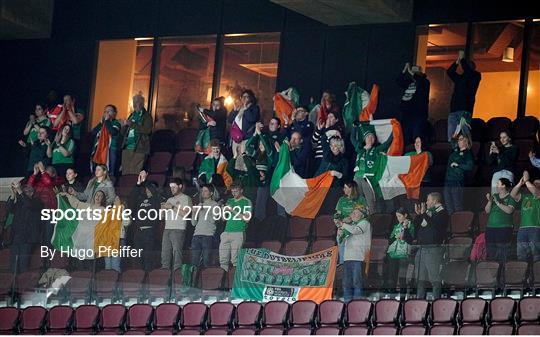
437,47
250,61
497,49
186,67
533,87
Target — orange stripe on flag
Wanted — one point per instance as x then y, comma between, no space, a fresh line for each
396,149
320,294
413,179
101,155
317,189
372,105
283,108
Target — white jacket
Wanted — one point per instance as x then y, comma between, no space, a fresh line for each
359,242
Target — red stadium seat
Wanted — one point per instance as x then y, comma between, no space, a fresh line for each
244,332
210,280
495,126
461,223
384,330
359,312
442,330
79,284
139,318
386,312
221,315
444,311
299,228
59,319
440,152
27,281
473,311
502,310
271,331
33,320
193,318
303,313
415,312
529,329
216,331
184,159
529,309
162,140
501,329
536,275
471,330
166,318
86,319
185,139
274,246
112,319
295,247
331,313
158,178
486,275
131,283
10,318
459,248
159,162
455,275
276,314
515,276
248,315
356,331
5,256
158,283
325,226
525,127
302,331
327,331
380,224
413,330
106,282
322,244
441,130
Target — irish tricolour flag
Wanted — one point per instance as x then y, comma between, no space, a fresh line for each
384,128
300,197
402,175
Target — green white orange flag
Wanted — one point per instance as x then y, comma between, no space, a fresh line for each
384,128
402,175
300,197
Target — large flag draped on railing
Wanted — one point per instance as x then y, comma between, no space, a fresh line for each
300,197
263,276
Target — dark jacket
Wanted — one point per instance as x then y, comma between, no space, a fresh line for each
251,116
331,162
434,232
25,227
220,117
465,87
305,128
465,161
139,200
142,133
506,159
415,99
300,158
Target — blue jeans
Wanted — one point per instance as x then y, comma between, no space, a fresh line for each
201,245
263,192
453,196
341,254
352,280
114,262
528,244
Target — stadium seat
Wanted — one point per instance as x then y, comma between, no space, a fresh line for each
59,320
185,139
455,275
524,146
131,283
10,319
6,285
529,329
5,256
221,315
166,317
295,247
210,280
482,221
322,244
86,319
302,331
477,129
459,248
106,283
414,313
386,312
158,162
471,330
248,315
502,310
274,246
441,130
216,331
162,140
299,228
442,330
33,320
276,314
536,276
473,311
331,313
328,331
461,223
27,281
158,283
139,318
413,330
525,127
380,224
271,331
356,330
125,184
243,332
529,310
384,330
158,178
444,313
303,313
193,319
486,276
441,152
184,159
113,317
500,329
515,276
359,313
325,227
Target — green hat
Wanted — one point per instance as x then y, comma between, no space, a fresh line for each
367,129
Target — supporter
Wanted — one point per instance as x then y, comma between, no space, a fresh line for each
136,142
205,228
71,116
460,162
430,228
243,169
237,213
334,159
367,155
25,226
38,150
35,121
534,160
327,105
355,236
243,119
414,102
61,150
145,199
105,151
217,121
274,133
463,97
175,226
262,154
72,181
275,137
100,182
528,237
500,207
419,148
299,123
300,154
45,181
331,129
502,160
214,164
398,251
346,203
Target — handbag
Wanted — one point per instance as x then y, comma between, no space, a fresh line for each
237,134
398,249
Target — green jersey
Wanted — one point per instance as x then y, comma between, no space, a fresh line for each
131,139
346,205
57,155
530,211
497,217
239,207
33,134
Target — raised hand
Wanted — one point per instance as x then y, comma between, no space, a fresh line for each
526,176
142,177
488,197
